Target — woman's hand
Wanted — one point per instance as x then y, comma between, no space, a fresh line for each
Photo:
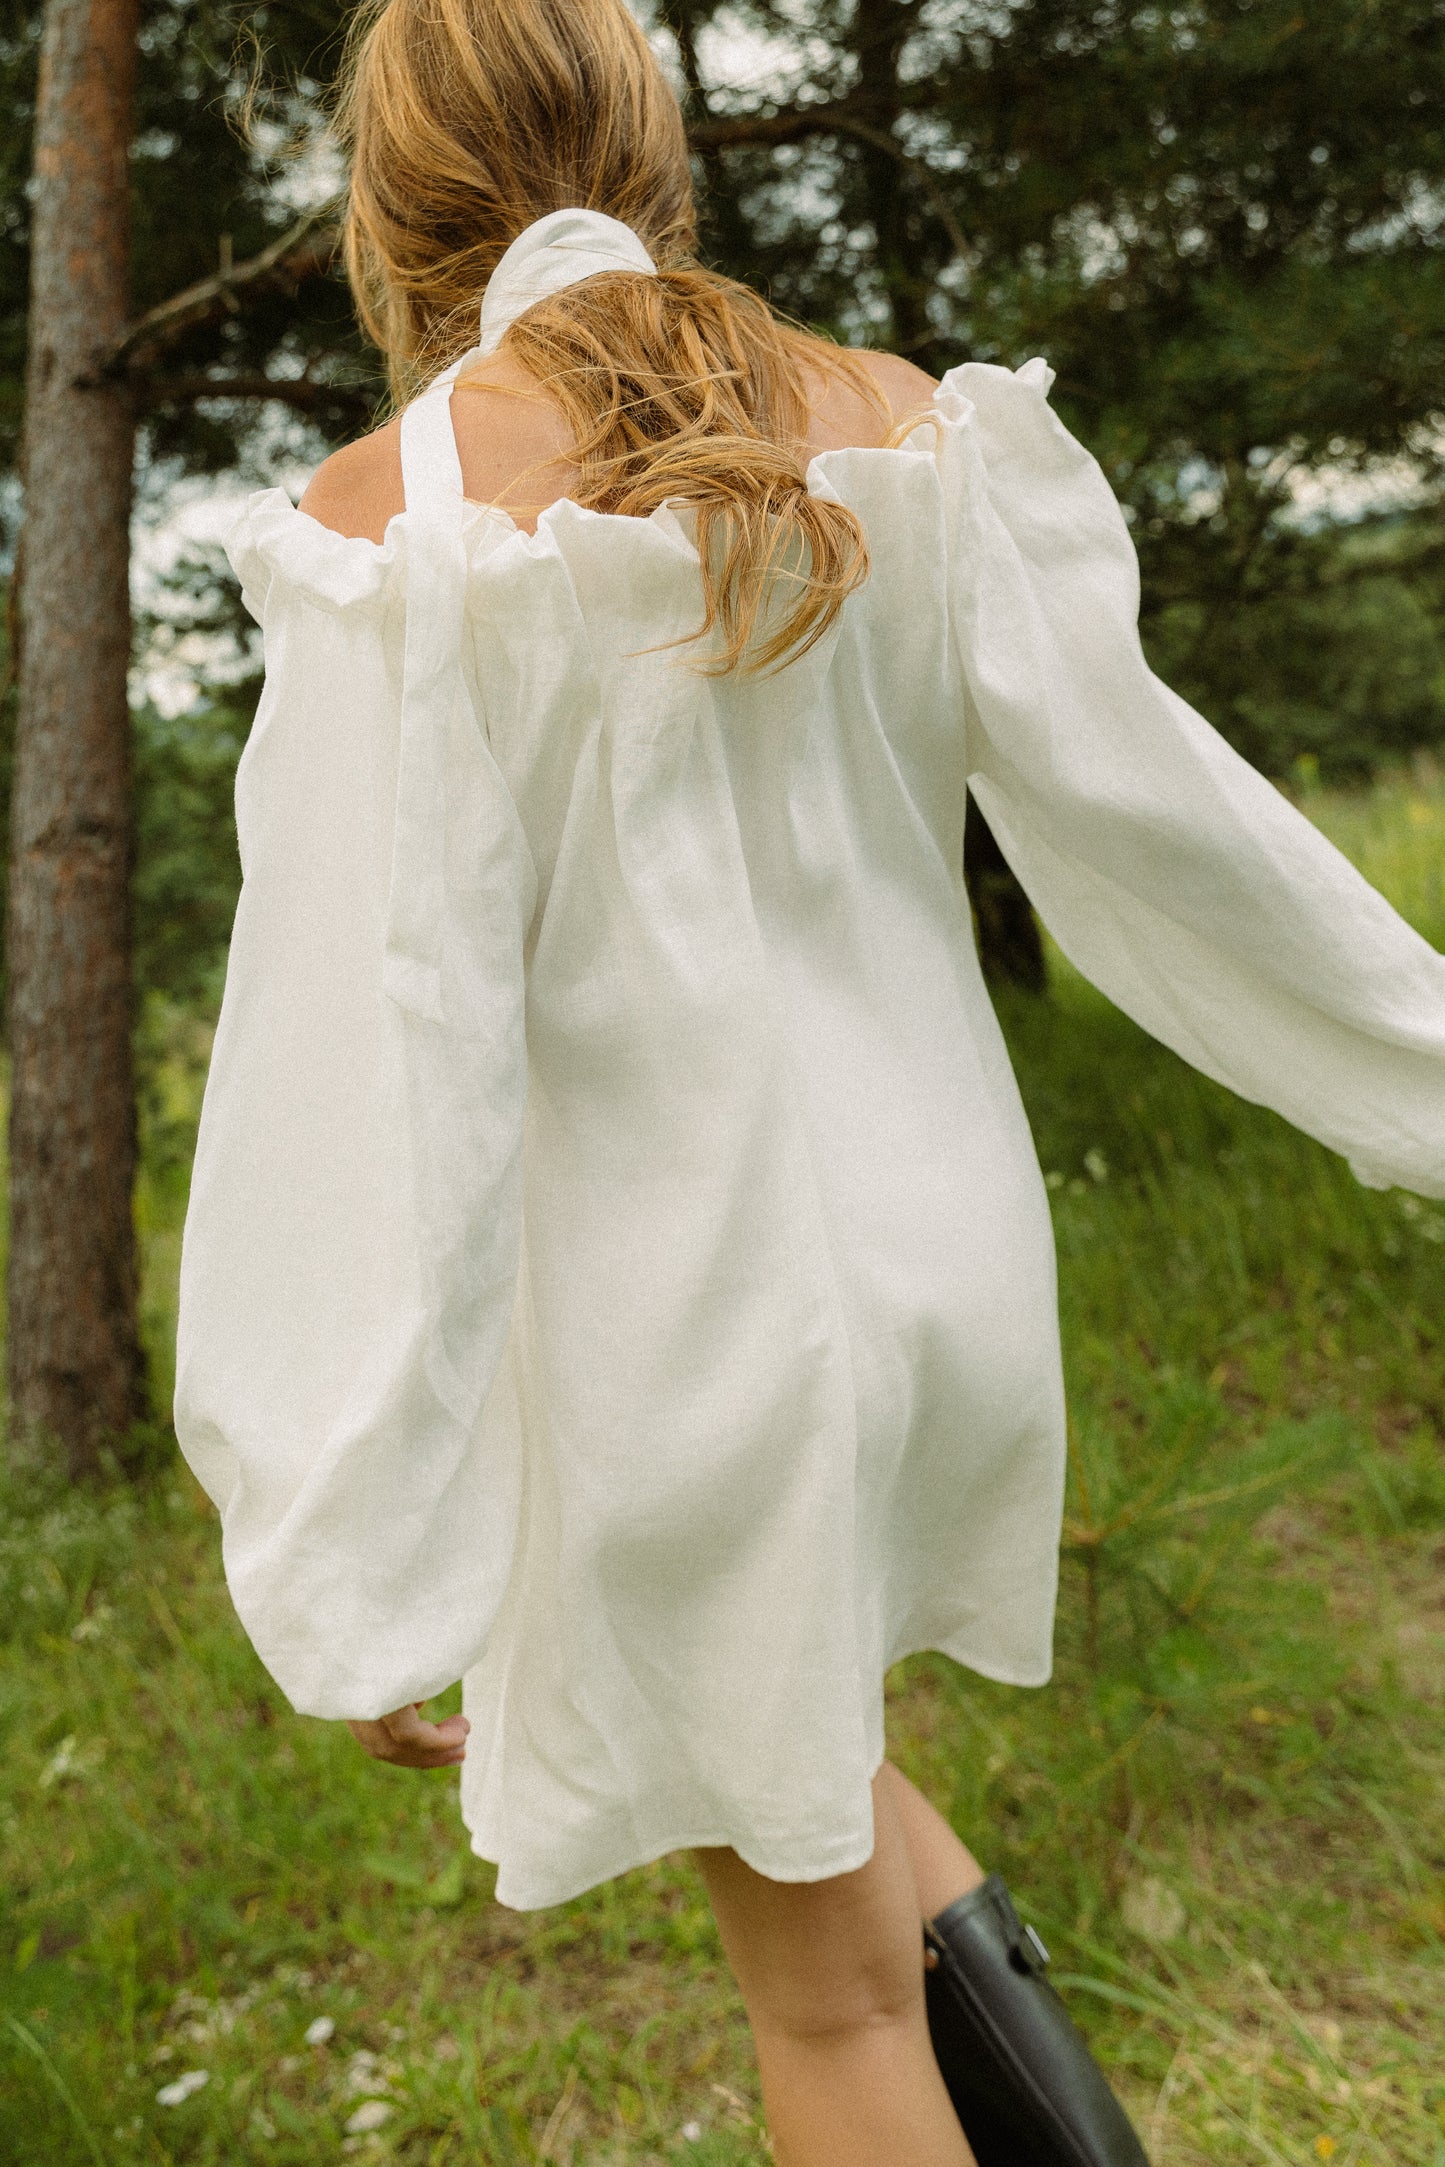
404,1738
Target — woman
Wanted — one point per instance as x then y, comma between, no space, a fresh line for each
618,1273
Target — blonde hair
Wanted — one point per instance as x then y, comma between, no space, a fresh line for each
468,119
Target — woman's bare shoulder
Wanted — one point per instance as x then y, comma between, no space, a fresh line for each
510,437
359,488
907,388
517,436
843,414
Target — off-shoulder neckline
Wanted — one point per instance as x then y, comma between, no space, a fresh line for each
342,570
663,516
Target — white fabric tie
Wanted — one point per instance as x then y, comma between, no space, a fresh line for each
553,253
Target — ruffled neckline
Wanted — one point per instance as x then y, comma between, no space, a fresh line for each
273,536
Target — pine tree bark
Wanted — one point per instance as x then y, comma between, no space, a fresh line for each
879,30
75,1369
1010,945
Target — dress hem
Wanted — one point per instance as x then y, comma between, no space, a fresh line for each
844,1860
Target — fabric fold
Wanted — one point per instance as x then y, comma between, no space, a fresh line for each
1171,873
270,538
351,1246
434,699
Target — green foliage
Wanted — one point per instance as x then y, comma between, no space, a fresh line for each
200,184
58,1544
1337,658
1154,1531
194,1880
19,43
1220,222
188,873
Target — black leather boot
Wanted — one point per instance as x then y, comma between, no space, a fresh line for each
1023,2083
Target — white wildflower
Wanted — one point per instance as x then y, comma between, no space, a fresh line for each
319,2030
204,2022
1151,1909
62,1763
369,2115
362,2074
690,2132
176,2094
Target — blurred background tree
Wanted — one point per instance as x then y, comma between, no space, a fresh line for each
1221,222
117,171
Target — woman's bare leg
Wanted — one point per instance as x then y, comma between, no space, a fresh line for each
831,1975
943,1867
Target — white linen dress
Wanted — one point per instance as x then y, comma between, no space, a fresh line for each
618,1271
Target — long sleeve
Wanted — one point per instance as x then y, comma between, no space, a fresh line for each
1169,871
351,1245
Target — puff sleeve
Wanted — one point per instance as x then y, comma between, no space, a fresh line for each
351,1245
1169,871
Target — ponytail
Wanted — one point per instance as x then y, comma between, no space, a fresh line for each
686,387
466,120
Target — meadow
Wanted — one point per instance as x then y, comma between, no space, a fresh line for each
226,1937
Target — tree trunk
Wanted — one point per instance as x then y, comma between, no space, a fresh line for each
1010,946
1009,943
878,33
75,1368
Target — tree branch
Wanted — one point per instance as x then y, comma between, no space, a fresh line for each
921,171
680,24
734,131
309,248
304,250
308,394
728,131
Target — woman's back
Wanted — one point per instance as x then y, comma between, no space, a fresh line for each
690,1128
515,443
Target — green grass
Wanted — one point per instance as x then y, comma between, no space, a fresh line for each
1225,1815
